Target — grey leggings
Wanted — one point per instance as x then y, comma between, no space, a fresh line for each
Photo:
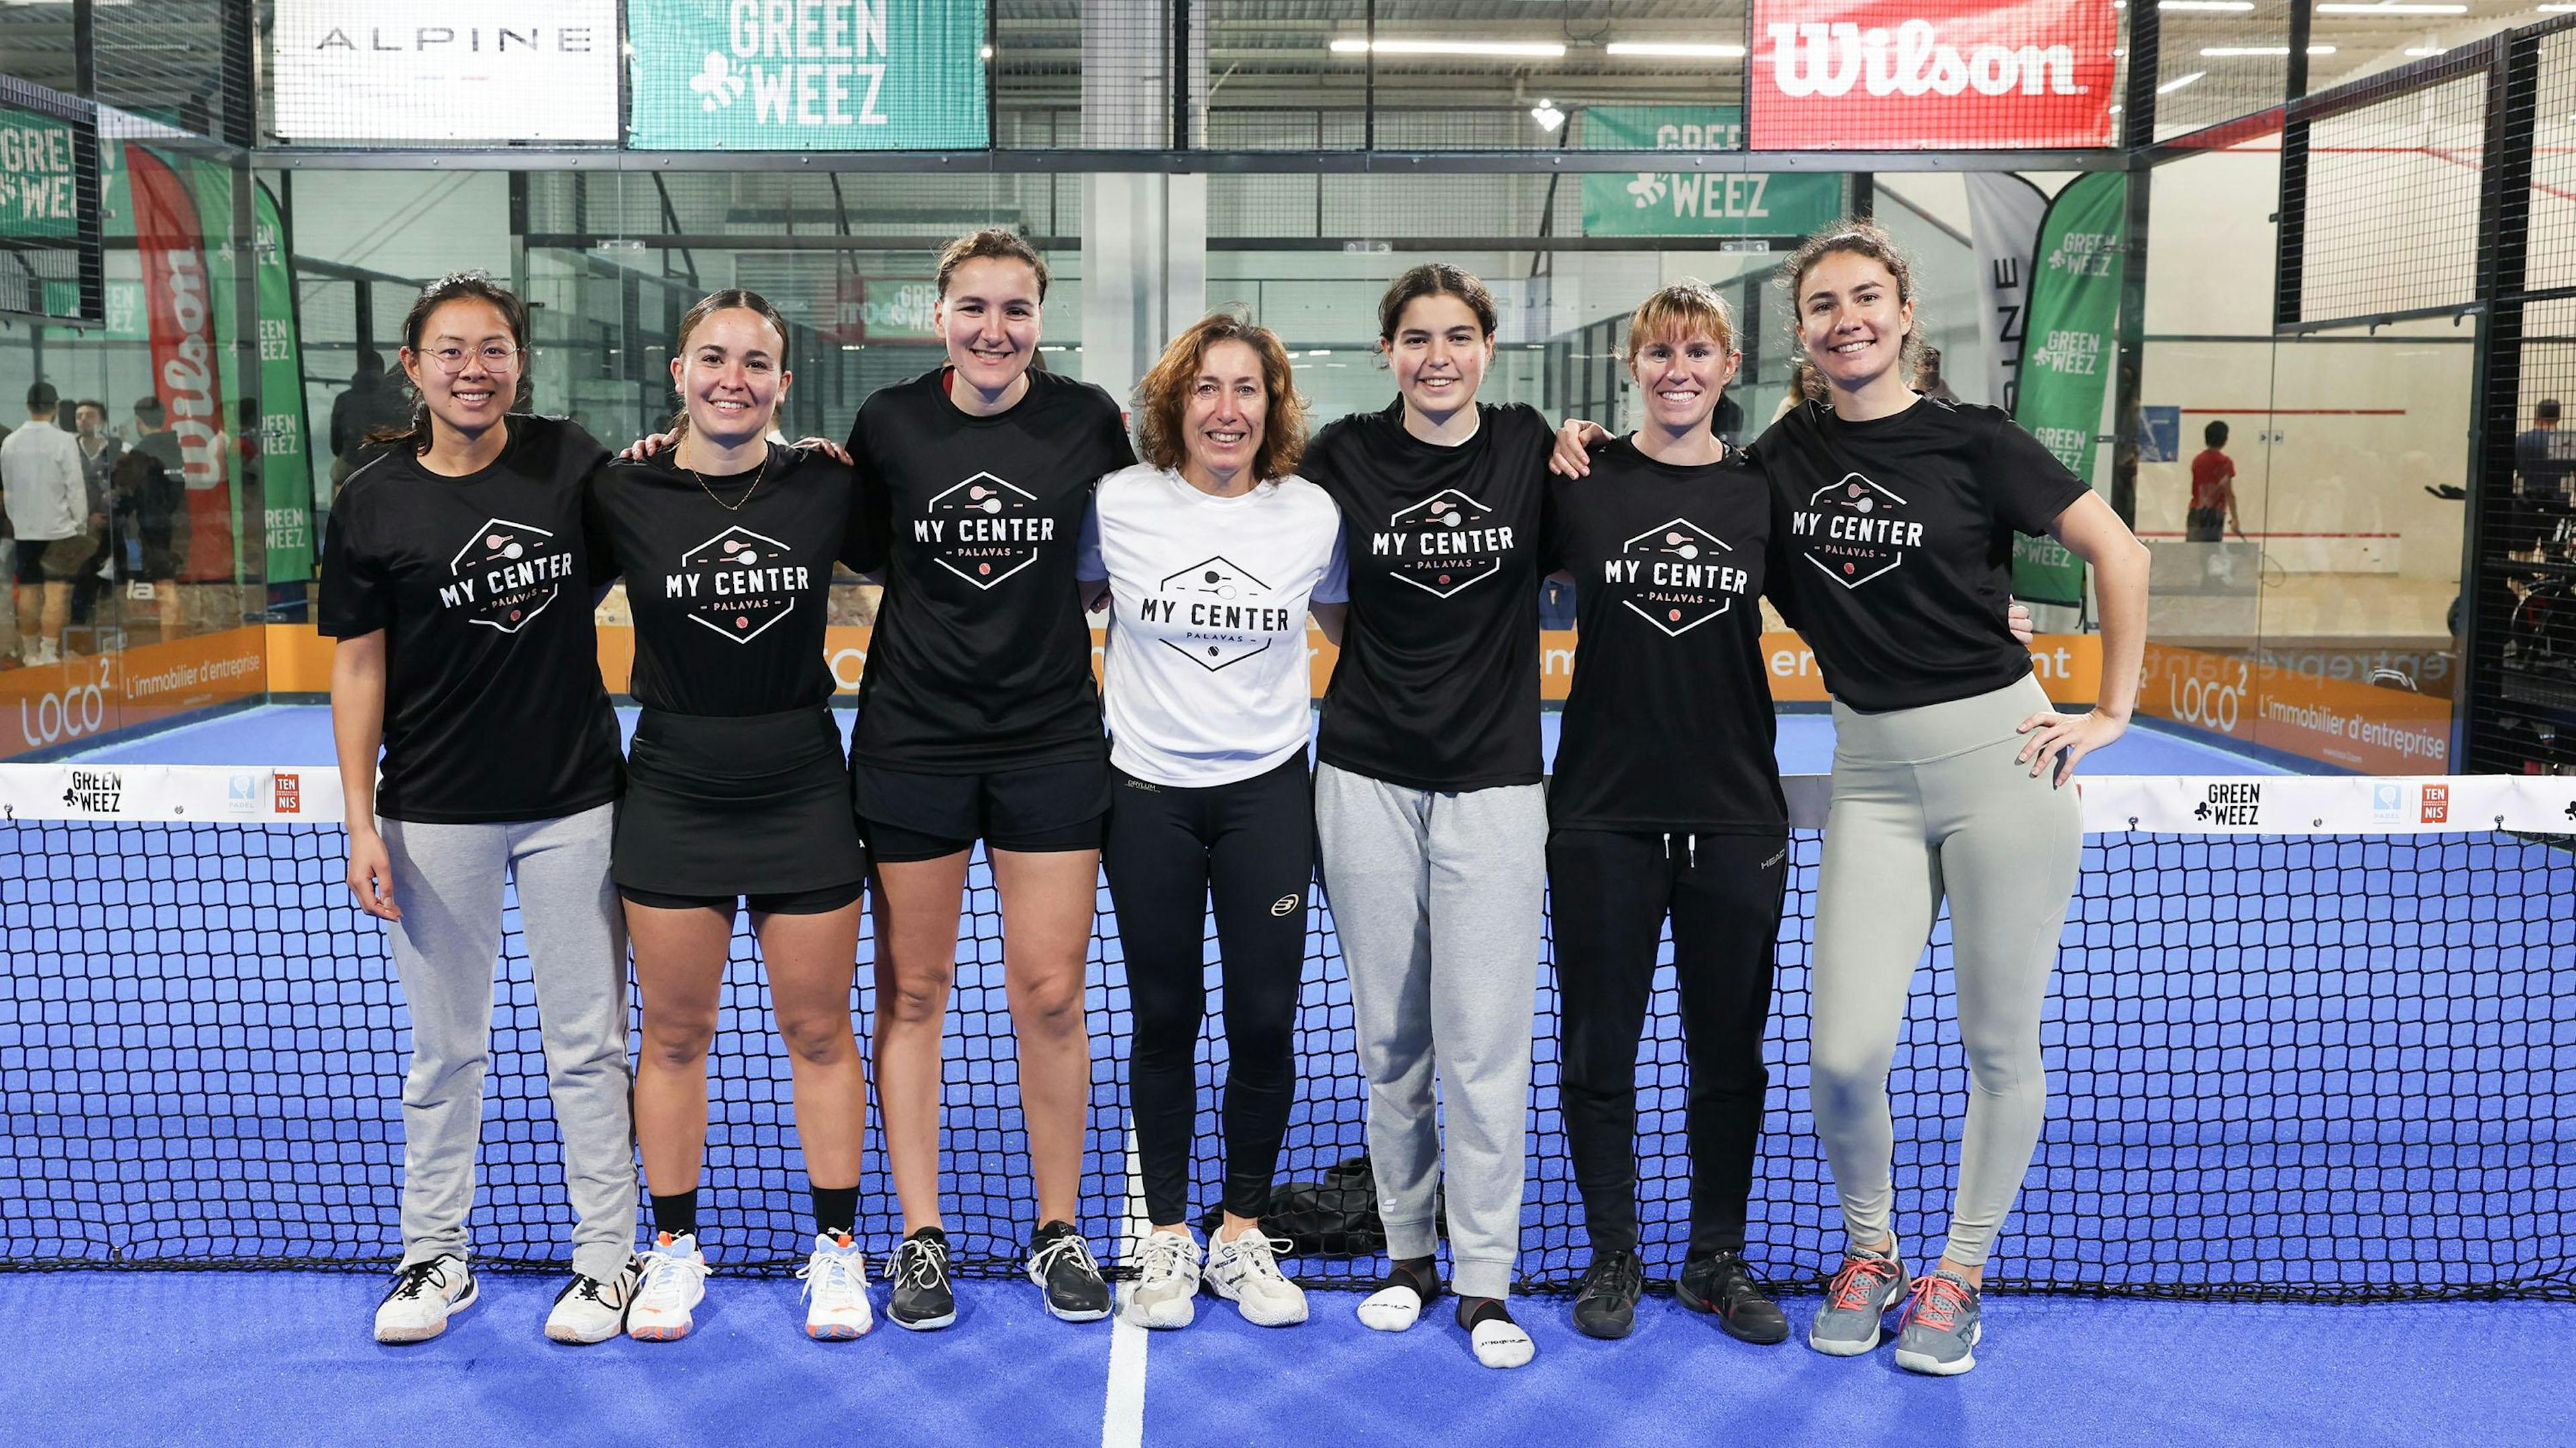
1929,802
448,881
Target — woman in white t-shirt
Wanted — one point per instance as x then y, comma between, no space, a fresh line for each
1214,553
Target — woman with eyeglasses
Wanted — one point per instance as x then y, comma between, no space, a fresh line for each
457,584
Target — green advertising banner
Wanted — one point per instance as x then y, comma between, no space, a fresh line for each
285,444
818,75
38,183
2067,352
1694,203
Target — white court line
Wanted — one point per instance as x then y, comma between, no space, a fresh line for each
1122,1420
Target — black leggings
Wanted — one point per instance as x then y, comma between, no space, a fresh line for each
1253,843
1609,891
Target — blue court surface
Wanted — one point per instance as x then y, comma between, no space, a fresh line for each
2310,1068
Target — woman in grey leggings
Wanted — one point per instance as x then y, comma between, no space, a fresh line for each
456,583
1951,769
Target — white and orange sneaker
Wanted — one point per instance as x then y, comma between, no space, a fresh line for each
836,1290
675,1280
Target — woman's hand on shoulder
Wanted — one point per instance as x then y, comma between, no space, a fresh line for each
825,446
1573,455
645,447
2066,738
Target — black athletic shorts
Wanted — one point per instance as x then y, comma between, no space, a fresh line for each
53,560
1048,808
790,902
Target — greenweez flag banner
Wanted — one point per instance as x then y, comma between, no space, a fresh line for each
284,443
2067,353
818,75
1694,202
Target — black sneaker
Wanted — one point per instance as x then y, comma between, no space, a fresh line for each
1061,1262
1724,1285
919,1269
1605,1305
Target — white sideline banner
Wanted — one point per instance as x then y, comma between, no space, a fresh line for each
2113,803
446,70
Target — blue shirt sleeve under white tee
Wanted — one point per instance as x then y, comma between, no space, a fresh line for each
1207,678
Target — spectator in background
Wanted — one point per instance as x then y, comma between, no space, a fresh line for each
1927,378
2213,490
100,448
151,507
1806,384
373,401
48,507
2543,457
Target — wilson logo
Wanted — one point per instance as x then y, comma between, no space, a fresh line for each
1810,60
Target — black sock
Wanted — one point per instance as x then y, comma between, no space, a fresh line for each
1473,1310
677,1213
1422,1274
836,1210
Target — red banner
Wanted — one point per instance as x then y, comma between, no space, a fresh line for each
178,301
1927,74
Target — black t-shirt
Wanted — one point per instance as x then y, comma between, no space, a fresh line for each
482,586
1437,687
729,606
1669,725
1902,528
980,660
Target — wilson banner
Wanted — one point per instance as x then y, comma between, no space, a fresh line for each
1911,75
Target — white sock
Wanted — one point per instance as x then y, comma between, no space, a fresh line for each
1391,1309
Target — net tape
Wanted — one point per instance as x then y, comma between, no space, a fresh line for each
2296,1051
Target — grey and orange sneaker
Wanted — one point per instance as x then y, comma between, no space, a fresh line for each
1858,1298
1939,1331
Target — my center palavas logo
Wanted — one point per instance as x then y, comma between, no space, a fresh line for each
737,583
984,529
1855,529
506,574
1443,543
1216,613
1675,576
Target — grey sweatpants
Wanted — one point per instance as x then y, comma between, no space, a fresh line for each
1437,898
1929,802
448,881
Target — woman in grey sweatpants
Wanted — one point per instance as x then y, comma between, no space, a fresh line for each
456,582
1952,772
1428,802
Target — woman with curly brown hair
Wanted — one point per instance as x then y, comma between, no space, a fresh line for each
1213,553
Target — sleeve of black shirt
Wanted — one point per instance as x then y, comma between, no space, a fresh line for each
1779,582
2026,485
599,541
356,597
1120,448
1551,526
870,535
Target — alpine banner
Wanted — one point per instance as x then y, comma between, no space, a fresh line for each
2004,212
2067,355
179,317
1920,75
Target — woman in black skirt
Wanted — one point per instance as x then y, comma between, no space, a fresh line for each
737,787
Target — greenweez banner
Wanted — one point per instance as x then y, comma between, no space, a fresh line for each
284,444
2067,352
37,179
817,75
1694,202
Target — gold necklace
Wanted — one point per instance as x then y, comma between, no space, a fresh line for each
737,505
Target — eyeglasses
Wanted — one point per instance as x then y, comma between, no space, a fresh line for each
497,358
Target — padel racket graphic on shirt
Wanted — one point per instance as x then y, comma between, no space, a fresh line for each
1676,577
984,529
1215,613
1855,530
737,583
506,574
1443,543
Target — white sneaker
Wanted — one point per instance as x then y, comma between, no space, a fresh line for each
1165,1292
589,1310
836,1290
48,652
675,1280
1245,1270
424,1296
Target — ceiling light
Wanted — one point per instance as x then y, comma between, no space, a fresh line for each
2231,5
985,53
1693,50
1547,116
2169,87
2420,51
2334,7
1519,49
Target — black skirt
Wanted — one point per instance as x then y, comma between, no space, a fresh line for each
745,806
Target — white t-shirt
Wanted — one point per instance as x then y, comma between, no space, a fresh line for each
47,488
1207,674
